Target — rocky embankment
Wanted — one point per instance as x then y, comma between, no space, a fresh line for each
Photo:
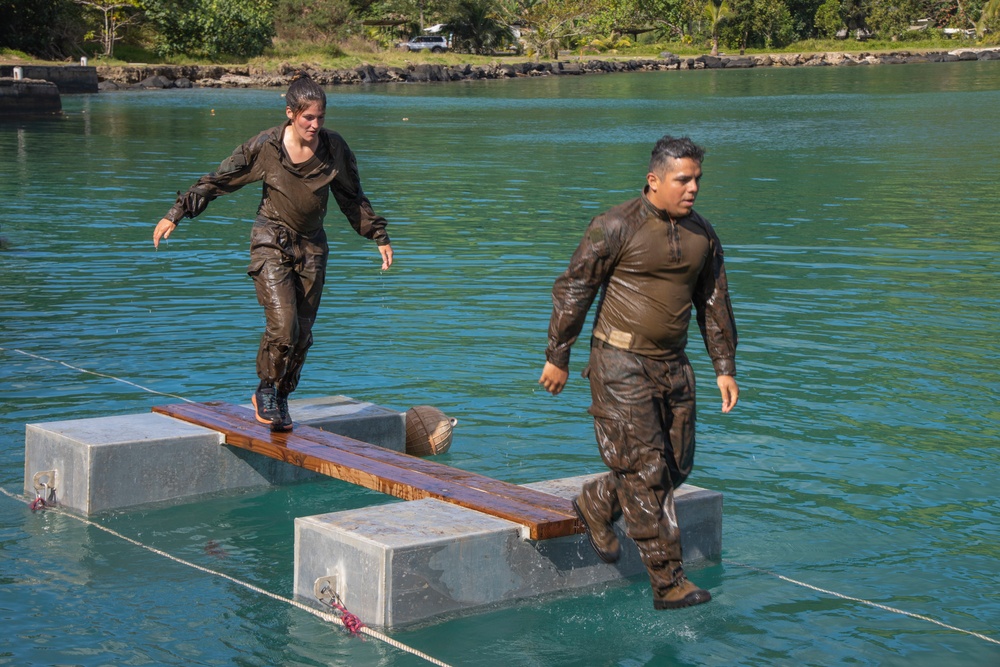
218,76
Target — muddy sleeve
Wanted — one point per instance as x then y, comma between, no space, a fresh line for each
575,290
715,311
354,204
235,171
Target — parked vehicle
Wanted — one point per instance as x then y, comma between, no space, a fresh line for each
432,43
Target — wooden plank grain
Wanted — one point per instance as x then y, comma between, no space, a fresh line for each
390,457
394,480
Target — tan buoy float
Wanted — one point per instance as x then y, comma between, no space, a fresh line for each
428,431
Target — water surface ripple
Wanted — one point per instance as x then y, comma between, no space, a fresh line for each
858,211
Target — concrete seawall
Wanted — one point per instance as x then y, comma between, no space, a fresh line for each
69,80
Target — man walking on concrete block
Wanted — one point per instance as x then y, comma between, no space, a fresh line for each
651,259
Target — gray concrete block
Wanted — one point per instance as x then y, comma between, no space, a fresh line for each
405,563
113,462
699,512
345,416
109,463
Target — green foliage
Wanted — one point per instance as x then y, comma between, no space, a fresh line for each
759,23
611,16
211,28
109,20
774,24
803,16
42,28
672,16
891,20
853,12
13,53
132,53
321,21
828,20
411,15
988,23
716,14
556,24
612,43
476,27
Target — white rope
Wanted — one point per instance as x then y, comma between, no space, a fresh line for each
883,607
330,618
103,375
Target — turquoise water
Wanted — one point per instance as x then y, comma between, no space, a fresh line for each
858,210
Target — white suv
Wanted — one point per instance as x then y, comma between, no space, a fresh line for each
432,43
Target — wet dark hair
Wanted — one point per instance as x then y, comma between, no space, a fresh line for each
302,93
672,148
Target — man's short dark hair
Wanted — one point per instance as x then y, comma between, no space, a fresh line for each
673,148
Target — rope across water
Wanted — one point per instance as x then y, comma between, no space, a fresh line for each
346,619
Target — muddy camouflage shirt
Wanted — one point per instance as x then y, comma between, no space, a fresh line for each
293,195
649,270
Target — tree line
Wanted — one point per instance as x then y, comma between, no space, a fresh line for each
58,29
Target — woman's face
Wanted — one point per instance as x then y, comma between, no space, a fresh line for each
307,122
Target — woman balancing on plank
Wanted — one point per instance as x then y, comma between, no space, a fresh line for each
300,163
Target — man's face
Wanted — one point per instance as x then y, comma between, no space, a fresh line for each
675,190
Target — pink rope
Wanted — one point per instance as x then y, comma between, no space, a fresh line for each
351,622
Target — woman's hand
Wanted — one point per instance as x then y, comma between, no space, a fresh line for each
164,228
386,252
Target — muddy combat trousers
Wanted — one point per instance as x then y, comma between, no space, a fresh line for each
288,271
644,420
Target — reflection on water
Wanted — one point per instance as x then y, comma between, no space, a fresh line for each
857,210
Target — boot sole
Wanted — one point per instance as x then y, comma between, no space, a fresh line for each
607,557
689,600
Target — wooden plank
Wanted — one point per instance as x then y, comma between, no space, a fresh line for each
395,480
389,457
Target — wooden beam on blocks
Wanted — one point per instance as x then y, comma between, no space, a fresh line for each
542,515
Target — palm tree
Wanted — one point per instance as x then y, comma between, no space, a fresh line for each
716,14
476,27
991,9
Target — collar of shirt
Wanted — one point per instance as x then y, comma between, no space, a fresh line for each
658,212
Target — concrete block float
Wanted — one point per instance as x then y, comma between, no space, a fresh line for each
108,463
399,564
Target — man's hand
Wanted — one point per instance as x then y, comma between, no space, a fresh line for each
730,391
386,252
164,228
553,378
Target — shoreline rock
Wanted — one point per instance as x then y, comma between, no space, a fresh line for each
158,77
